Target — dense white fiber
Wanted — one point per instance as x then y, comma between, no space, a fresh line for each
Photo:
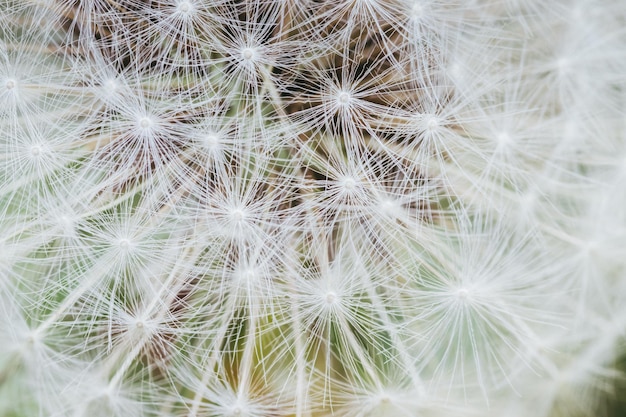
302,208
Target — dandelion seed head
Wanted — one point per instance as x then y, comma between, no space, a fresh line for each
141,327
109,89
30,339
463,295
389,207
331,298
125,244
432,123
344,98
248,54
177,175
110,86
563,65
10,84
528,200
248,274
145,123
67,223
185,7
65,220
504,138
349,184
211,141
238,215
417,11
36,150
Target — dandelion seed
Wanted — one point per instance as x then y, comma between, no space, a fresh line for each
248,54
35,150
124,244
238,215
331,298
145,123
343,98
184,7
417,11
212,141
432,123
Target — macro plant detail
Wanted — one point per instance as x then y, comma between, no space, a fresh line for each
302,208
